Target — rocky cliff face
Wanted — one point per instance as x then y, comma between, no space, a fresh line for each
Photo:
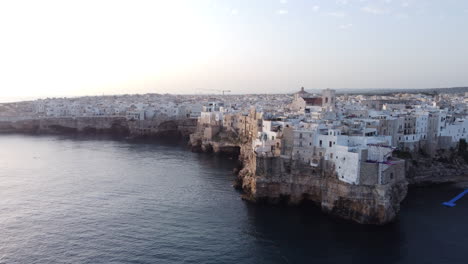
428,171
445,167
224,144
107,125
378,204
270,179
118,126
277,180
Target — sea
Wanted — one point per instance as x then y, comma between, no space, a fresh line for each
66,199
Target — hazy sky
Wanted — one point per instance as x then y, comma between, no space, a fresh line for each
69,48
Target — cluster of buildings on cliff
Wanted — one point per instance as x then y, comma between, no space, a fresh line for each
353,135
134,107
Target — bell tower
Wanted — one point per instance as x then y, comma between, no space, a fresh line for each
328,100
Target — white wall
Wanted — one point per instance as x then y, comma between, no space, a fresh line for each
456,131
347,164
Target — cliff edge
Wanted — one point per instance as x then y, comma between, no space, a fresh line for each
281,180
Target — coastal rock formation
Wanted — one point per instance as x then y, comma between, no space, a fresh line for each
378,204
224,144
262,179
277,180
104,125
280,180
119,126
447,166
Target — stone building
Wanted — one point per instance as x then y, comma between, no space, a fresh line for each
328,100
306,103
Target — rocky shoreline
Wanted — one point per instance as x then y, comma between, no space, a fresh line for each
278,179
114,126
444,168
268,179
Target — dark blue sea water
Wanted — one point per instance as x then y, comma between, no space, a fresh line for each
75,200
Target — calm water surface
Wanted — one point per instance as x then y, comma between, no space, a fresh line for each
75,200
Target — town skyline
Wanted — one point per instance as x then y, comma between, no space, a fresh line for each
216,93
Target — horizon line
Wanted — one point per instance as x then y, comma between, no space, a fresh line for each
39,97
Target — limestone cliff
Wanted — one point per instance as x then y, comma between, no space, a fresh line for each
225,143
280,180
271,179
446,166
120,126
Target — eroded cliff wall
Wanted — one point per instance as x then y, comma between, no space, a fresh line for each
446,166
281,180
162,127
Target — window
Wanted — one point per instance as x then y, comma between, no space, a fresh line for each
320,143
330,144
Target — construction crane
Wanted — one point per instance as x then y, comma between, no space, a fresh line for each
221,91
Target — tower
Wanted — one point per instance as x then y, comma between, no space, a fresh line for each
301,93
328,100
